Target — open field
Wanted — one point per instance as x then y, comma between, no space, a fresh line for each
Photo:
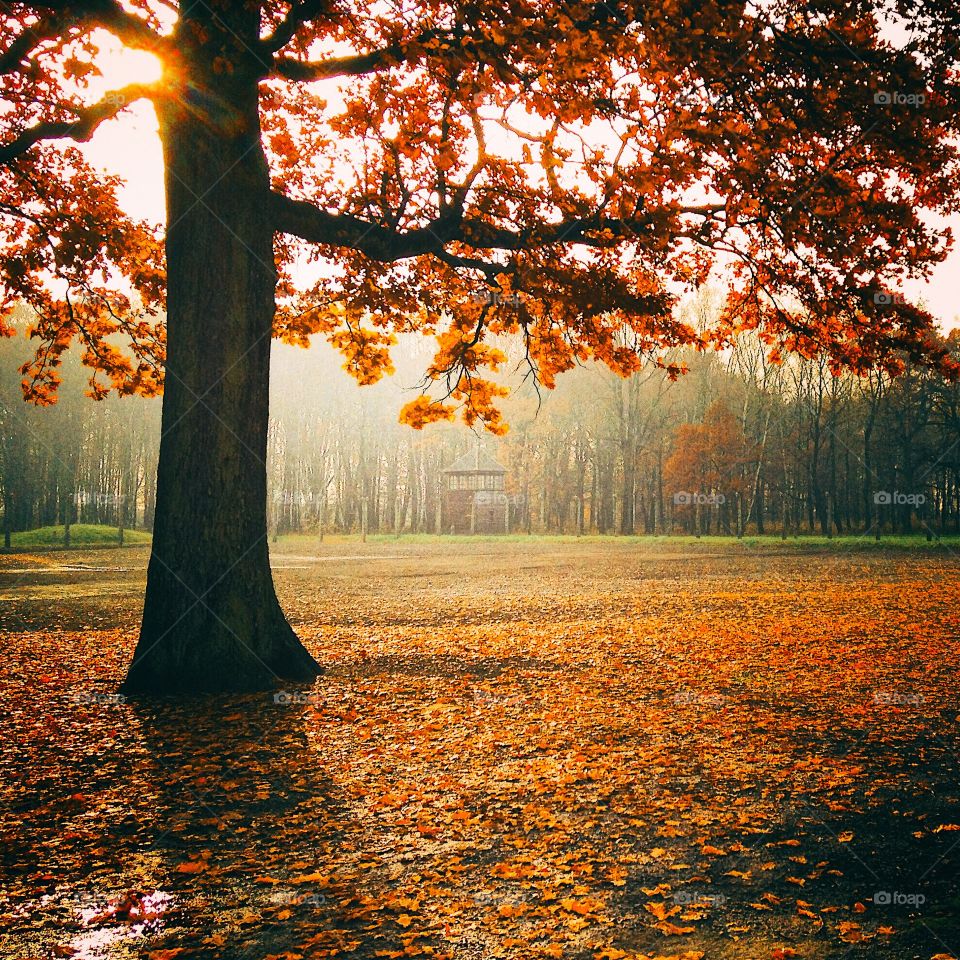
92,536
547,748
81,535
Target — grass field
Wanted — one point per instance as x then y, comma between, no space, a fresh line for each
88,535
916,541
82,535
593,749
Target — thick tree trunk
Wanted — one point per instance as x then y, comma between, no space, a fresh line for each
211,619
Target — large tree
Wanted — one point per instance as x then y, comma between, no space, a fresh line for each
558,171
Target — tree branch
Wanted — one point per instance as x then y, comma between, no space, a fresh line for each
357,64
353,66
297,16
129,29
109,14
82,128
46,28
308,222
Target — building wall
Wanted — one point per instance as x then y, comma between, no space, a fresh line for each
484,509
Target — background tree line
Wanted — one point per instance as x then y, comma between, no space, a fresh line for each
736,446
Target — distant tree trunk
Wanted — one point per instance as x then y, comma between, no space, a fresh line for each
593,491
627,408
211,619
391,495
68,492
831,494
414,479
322,514
581,454
528,513
149,494
869,487
942,512
818,498
846,521
658,502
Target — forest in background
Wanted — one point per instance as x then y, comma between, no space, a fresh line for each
736,446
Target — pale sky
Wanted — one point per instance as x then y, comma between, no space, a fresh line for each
129,146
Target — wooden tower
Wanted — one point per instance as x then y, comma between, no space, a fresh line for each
473,497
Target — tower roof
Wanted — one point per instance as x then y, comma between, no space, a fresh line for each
475,461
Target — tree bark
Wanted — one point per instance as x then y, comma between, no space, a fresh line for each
211,619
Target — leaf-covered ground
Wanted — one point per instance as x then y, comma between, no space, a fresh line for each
567,751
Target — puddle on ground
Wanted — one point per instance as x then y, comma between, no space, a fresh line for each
122,918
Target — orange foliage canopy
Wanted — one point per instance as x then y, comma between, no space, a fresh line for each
715,456
558,171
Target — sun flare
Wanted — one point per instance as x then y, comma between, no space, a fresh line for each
120,65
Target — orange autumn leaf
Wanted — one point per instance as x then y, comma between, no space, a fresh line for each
661,910
582,907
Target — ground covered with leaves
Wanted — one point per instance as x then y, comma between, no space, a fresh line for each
584,751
